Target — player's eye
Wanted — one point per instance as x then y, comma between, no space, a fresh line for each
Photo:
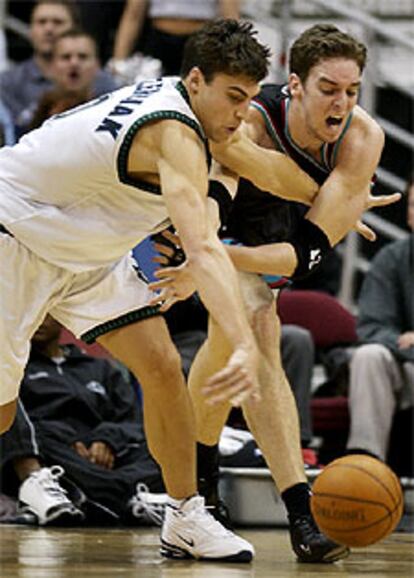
327,91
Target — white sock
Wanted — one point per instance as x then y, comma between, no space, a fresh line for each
176,504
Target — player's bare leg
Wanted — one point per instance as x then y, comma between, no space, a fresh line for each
146,348
273,420
210,358
189,531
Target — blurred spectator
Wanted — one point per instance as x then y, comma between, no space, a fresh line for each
79,417
22,86
3,53
74,70
170,24
7,136
298,360
382,367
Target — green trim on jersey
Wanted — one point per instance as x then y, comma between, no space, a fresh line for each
180,86
130,135
126,319
332,160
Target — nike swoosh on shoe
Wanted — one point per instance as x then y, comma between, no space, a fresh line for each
187,541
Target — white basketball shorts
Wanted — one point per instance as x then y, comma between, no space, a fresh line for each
88,303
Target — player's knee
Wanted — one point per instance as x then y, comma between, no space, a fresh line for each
163,372
256,293
7,415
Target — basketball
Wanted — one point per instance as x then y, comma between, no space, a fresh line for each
357,500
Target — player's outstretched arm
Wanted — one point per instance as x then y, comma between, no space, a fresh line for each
268,169
335,211
184,182
345,195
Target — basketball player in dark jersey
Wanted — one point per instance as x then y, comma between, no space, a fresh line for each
315,120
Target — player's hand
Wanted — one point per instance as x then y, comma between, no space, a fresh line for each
381,200
237,381
175,284
169,248
365,231
374,201
102,455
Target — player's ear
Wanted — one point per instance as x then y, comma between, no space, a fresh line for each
195,79
295,84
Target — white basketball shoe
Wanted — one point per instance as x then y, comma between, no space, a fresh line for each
190,531
41,494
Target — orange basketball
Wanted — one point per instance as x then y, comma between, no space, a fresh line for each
357,500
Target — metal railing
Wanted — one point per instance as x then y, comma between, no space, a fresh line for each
17,26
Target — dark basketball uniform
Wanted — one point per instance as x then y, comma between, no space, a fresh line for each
258,217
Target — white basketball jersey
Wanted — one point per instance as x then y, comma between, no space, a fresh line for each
64,188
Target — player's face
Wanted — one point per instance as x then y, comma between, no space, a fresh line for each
327,97
222,104
410,208
75,63
47,23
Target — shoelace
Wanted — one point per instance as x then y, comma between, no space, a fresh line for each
141,507
200,514
309,527
49,481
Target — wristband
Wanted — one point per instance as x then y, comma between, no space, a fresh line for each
311,245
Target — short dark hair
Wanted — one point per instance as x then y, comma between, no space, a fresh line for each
226,46
320,42
77,33
71,7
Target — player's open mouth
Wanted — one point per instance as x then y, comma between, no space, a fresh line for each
334,120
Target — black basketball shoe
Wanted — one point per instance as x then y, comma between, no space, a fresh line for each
310,545
208,480
215,505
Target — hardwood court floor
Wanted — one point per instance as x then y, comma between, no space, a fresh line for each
103,553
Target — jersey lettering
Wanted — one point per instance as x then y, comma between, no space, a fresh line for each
141,92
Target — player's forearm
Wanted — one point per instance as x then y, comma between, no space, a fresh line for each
216,282
269,170
336,210
282,177
272,259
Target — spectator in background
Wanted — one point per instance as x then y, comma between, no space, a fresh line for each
76,416
7,136
3,53
170,24
22,86
75,66
298,359
382,367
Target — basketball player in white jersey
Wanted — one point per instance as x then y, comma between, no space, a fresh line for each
316,122
79,192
